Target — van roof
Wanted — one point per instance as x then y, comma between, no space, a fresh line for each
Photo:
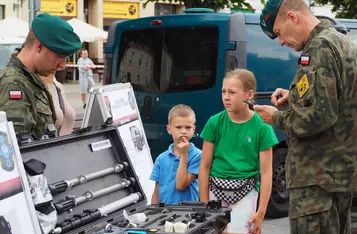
250,17
349,23
12,40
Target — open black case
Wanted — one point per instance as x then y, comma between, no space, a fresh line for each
92,182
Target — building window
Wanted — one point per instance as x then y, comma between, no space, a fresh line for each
164,9
132,57
147,63
140,61
195,58
2,12
128,76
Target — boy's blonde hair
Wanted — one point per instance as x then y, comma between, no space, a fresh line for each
181,110
246,77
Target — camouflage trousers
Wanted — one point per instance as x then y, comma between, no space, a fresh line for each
313,210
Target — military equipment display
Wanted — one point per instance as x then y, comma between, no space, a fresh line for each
65,185
104,192
92,215
5,227
182,218
72,201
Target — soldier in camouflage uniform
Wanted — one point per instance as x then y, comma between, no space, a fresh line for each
23,95
321,121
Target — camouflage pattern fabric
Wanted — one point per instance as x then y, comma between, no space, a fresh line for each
321,123
314,210
32,108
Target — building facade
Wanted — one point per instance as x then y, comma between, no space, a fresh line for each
99,13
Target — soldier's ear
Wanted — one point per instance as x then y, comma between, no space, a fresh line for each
292,16
38,46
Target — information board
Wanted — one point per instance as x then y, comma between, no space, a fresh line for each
17,211
116,104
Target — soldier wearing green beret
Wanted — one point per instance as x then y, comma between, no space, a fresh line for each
321,119
23,96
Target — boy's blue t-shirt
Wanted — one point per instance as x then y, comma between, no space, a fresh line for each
164,173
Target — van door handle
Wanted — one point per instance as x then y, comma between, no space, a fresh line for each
148,108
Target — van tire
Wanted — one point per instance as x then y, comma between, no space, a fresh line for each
278,205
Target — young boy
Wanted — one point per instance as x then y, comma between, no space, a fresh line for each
175,170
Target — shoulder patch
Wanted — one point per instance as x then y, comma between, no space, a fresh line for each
15,94
302,85
305,60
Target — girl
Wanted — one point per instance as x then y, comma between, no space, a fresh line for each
237,146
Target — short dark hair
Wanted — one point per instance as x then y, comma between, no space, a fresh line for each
30,39
81,50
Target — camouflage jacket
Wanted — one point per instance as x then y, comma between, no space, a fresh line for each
25,99
321,123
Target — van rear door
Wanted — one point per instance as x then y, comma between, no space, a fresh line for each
170,60
192,67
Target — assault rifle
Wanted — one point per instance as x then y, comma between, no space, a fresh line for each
65,185
89,216
71,201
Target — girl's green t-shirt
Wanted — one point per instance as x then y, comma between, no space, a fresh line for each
237,145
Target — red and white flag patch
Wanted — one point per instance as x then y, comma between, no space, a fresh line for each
15,94
305,60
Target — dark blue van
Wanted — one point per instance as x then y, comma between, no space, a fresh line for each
351,25
182,59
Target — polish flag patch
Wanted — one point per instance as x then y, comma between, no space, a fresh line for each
15,94
305,60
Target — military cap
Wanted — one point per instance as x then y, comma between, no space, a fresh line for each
268,16
56,34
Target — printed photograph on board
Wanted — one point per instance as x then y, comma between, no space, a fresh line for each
137,137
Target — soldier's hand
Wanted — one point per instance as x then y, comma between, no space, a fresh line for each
280,98
265,112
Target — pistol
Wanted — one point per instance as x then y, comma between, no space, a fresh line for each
251,103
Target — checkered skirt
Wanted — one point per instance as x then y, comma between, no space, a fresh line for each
231,191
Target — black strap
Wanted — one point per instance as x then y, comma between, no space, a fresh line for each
60,98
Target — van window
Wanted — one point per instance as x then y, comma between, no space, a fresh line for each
5,53
353,35
273,65
176,59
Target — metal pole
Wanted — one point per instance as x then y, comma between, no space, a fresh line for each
19,9
31,11
74,69
36,7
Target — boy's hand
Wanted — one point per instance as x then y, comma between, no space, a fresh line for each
183,146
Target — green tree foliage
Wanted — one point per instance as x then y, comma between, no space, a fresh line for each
212,4
343,8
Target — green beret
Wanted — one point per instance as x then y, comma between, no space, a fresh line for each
56,34
268,15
